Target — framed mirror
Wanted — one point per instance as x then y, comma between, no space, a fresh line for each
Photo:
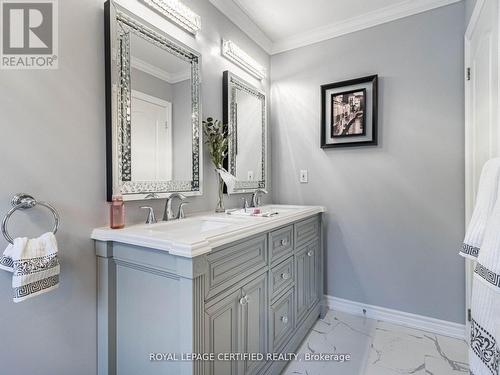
153,110
245,113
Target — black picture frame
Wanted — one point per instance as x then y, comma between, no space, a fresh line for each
326,122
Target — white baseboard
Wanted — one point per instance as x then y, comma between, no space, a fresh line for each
423,323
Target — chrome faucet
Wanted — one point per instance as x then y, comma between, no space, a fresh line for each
151,215
245,204
168,214
256,197
181,214
152,196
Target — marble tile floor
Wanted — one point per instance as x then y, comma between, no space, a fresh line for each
378,348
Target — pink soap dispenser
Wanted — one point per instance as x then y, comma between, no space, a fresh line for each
117,212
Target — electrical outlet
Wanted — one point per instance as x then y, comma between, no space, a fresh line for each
250,175
303,176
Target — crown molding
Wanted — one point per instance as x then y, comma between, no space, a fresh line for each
232,11
181,76
478,7
365,21
158,72
387,14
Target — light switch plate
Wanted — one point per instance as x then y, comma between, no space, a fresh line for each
250,175
303,176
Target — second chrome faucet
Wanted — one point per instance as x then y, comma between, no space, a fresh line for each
168,213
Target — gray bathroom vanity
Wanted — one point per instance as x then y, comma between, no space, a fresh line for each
211,294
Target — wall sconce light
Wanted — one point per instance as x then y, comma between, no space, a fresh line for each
235,54
178,13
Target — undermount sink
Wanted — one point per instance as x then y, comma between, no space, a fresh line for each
279,209
198,225
264,211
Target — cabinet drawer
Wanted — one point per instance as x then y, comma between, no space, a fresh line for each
306,231
281,321
281,242
282,276
232,264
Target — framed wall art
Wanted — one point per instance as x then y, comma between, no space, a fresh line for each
349,113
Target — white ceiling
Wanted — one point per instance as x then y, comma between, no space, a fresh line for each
279,19
280,25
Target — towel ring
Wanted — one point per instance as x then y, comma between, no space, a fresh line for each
23,201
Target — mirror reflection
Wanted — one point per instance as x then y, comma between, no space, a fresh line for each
160,113
245,116
248,143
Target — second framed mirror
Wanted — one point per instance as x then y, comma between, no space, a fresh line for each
245,114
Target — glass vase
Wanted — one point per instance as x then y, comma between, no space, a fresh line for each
220,194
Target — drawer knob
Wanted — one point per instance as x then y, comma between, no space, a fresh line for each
284,319
284,242
244,300
310,253
285,275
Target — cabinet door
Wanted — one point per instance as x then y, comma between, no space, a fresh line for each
254,322
302,280
313,264
307,278
222,325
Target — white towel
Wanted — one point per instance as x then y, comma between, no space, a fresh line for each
485,201
228,179
484,353
34,264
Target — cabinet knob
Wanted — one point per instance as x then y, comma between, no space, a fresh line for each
284,242
285,275
310,253
284,319
244,300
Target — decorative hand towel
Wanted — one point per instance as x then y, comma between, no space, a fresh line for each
484,355
485,200
34,264
483,350
6,262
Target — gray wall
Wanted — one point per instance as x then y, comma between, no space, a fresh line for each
52,145
150,85
469,8
396,211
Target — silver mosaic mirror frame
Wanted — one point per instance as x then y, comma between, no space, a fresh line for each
232,84
121,26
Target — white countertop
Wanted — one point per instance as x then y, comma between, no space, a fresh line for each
200,233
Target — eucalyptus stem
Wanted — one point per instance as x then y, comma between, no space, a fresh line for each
216,140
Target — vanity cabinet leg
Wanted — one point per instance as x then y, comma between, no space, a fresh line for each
106,310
